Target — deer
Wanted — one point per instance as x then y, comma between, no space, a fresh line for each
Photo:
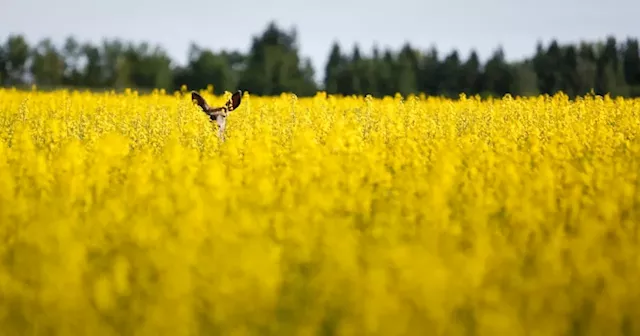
219,113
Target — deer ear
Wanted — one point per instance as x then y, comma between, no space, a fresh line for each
200,101
235,101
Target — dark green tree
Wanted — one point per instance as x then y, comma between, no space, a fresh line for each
47,64
335,64
273,65
498,76
450,75
406,70
569,72
72,54
631,65
469,75
207,68
16,56
429,75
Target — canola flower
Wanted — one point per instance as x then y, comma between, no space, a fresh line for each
123,214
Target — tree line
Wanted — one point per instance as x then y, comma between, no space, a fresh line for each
274,65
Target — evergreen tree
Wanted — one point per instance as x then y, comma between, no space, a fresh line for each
631,62
334,66
47,66
16,56
469,75
274,65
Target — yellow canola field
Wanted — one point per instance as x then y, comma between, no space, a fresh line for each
123,214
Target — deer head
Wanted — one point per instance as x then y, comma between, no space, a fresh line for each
219,113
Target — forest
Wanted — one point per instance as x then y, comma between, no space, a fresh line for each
274,65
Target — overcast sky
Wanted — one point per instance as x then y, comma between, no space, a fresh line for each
446,24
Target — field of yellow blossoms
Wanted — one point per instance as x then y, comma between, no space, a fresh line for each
123,214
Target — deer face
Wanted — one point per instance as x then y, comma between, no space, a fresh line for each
218,114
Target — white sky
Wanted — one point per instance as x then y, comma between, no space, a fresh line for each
459,24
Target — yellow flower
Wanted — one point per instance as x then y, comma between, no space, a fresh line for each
342,215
